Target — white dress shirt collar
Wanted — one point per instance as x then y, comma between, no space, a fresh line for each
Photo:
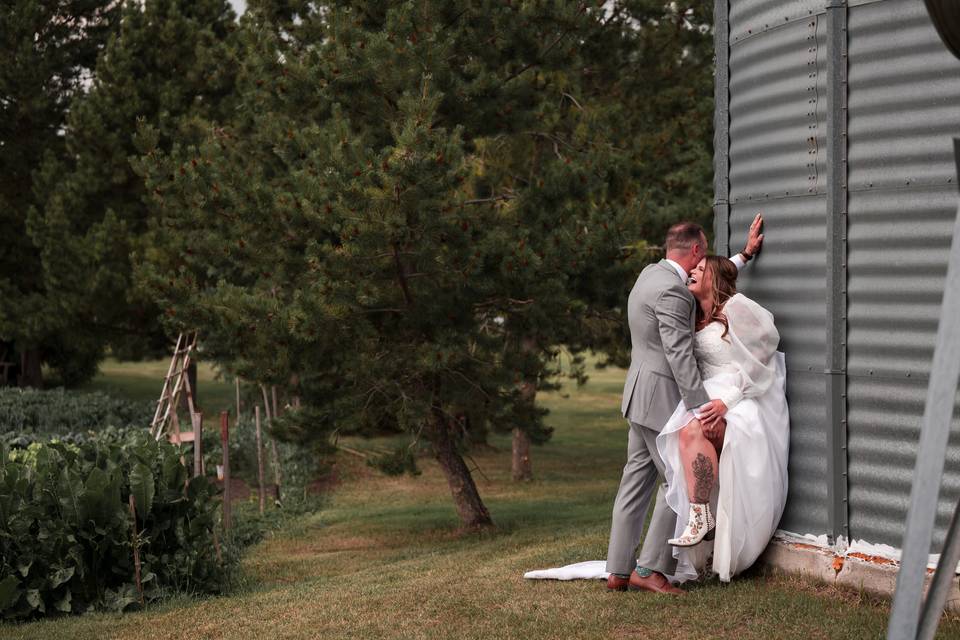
679,269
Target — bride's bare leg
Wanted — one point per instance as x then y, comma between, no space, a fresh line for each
698,455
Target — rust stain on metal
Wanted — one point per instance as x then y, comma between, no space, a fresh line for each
873,559
838,563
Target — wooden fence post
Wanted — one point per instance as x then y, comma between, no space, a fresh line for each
225,441
261,489
197,418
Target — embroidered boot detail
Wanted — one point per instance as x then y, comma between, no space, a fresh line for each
700,522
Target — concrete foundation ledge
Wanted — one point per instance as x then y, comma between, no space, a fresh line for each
875,574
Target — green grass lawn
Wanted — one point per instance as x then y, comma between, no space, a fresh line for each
385,560
143,381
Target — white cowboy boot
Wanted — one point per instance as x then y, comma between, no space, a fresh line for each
700,525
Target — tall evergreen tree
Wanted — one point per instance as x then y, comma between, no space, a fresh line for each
642,84
48,51
170,64
413,207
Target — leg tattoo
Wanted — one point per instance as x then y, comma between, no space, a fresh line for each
703,472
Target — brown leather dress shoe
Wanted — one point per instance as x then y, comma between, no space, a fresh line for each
616,583
655,582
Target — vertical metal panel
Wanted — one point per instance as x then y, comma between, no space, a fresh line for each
904,105
778,89
836,370
932,451
788,278
750,17
721,128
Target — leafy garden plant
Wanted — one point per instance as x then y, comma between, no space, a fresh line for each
61,412
67,534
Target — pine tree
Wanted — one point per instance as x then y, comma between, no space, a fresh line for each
170,63
48,51
413,207
642,86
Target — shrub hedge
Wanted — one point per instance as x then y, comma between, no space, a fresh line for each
59,412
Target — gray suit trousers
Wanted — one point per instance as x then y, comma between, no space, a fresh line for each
640,478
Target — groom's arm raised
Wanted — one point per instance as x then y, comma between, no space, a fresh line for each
675,314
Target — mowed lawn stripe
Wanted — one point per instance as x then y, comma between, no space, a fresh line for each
385,560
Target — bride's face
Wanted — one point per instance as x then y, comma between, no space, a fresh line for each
699,283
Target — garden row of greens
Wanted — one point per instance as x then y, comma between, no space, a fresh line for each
68,533
86,494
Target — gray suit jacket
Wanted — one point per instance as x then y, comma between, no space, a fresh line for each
662,317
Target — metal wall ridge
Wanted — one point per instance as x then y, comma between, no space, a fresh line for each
721,127
752,18
836,228
760,199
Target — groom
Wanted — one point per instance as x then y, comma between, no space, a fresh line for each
662,317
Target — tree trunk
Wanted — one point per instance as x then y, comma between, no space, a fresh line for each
295,391
476,432
31,374
520,462
473,513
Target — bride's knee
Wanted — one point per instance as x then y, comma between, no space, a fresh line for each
691,433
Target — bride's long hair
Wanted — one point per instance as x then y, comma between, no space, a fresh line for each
723,280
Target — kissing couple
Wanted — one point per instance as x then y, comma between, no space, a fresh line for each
705,401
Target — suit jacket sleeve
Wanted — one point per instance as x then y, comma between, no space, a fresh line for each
675,314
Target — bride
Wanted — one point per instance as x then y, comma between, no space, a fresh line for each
729,482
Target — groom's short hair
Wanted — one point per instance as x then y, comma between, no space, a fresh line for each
683,236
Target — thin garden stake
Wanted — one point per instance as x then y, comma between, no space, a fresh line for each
225,440
275,456
261,490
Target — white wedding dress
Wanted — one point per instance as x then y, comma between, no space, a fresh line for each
745,370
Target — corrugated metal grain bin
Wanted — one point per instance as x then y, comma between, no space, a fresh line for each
835,120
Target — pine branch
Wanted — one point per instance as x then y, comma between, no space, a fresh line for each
545,51
401,276
497,198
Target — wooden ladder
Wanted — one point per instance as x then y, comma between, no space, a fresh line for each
176,383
